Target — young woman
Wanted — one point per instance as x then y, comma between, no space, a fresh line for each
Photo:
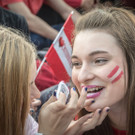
17,87
103,60
103,56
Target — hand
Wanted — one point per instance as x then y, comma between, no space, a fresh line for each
87,122
56,115
35,103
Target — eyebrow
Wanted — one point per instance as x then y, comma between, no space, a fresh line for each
93,53
97,52
74,57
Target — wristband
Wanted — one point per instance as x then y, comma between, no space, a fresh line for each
39,133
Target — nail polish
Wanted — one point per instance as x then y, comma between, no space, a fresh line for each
54,94
100,111
74,89
108,110
93,101
85,88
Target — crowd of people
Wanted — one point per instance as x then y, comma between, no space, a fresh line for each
103,61
39,18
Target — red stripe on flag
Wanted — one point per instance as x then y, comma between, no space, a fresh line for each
56,65
118,77
69,27
49,51
113,72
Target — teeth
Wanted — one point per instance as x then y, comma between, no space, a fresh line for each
94,89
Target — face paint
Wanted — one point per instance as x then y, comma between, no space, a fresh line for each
115,74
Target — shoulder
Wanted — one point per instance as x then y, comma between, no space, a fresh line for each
31,126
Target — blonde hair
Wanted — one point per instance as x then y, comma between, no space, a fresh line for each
16,57
120,23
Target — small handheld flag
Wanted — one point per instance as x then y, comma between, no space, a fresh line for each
59,54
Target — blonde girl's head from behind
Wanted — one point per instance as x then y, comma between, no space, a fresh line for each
16,58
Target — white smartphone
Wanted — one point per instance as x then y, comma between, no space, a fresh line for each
62,87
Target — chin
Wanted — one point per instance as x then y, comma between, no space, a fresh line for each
94,107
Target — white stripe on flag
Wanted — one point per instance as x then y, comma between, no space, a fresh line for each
66,61
115,75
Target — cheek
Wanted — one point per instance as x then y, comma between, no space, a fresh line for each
111,73
115,74
75,79
34,93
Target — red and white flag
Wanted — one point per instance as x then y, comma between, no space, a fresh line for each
59,54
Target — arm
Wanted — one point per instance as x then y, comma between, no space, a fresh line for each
63,9
87,4
35,23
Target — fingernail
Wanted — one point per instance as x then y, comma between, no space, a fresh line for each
89,117
92,101
74,89
54,93
85,88
100,111
108,110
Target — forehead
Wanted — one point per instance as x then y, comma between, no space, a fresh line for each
93,40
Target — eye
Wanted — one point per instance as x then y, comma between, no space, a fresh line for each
76,64
31,83
101,61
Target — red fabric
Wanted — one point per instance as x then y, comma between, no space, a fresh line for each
69,28
118,132
46,77
57,66
33,5
74,3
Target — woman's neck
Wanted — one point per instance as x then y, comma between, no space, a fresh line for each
117,116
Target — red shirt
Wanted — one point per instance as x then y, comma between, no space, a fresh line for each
119,132
46,77
74,3
33,5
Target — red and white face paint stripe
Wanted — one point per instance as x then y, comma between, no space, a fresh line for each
115,74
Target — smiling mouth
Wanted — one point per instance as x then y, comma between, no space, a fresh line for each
95,89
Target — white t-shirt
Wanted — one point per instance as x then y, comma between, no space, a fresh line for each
31,126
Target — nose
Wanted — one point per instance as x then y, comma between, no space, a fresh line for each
35,93
85,74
